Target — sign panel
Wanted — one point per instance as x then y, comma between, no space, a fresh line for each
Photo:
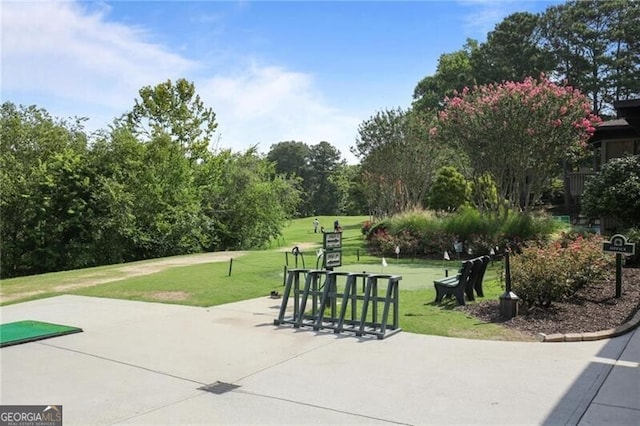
332,240
332,259
619,244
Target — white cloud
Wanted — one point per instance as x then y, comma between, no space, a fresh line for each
73,61
486,14
266,105
61,50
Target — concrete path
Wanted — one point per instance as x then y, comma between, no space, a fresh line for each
144,363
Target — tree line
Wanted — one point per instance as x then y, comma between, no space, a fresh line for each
147,187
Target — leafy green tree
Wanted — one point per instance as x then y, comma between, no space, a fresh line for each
175,110
449,191
615,191
119,161
291,158
130,194
513,51
596,47
399,157
66,210
453,73
317,168
166,202
324,162
352,201
149,198
252,202
44,190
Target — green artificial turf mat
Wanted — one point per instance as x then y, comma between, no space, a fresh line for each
15,333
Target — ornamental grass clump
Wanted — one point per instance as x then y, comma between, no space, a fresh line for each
556,271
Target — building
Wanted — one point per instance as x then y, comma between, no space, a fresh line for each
612,139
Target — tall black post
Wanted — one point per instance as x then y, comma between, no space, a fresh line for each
509,300
507,269
618,275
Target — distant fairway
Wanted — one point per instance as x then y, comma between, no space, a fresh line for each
414,276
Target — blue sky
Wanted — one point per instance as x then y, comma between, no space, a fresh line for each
272,71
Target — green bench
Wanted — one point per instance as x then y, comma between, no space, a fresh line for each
468,281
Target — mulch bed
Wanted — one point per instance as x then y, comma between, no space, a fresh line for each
593,308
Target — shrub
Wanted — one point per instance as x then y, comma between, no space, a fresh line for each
382,242
528,227
541,276
615,191
435,241
554,194
408,230
538,278
633,236
449,190
484,193
375,228
366,227
469,221
480,244
421,233
414,221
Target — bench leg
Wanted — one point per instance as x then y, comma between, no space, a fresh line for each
460,295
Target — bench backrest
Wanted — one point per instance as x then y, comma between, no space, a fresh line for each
485,262
465,272
476,266
476,274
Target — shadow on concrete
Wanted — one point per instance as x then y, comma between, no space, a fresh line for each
607,391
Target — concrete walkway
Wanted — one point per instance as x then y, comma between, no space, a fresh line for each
143,363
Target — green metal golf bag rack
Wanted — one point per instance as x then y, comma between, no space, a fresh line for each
343,310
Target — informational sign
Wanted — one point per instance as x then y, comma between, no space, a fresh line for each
619,244
332,240
332,244
333,259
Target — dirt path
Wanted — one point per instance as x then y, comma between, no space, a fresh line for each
126,271
134,270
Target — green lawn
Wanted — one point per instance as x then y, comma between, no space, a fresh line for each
259,272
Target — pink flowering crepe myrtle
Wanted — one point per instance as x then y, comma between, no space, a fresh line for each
517,132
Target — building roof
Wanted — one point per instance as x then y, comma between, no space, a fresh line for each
618,122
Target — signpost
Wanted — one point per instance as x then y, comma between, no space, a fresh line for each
332,245
619,246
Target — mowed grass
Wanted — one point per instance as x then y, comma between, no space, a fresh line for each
259,272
